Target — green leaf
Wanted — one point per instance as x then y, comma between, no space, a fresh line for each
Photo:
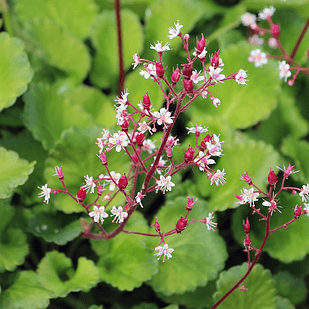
243,105
57,228
296,243
58,48
76,16
145,306
250,156
126,262
260,4
261,292
48,113
15,70
14,172
105,68
204,250
25,293
56,273
283,303
13,244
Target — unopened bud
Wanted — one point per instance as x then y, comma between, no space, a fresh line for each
246,178
103,158
297,211
275,30
140,137
187,70
190,203
134,158
81,194
123,182
272,178
59,172
189,154
169,152
200,45
156,225
205,140
188,85
181,225
159,69
247,241
125,125
175,75
100,189
146,101
215,60
246,225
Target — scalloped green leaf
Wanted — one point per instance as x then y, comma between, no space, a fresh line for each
57,228
76,153
56,273
105,68
48,113
126,262
14,172
243,105
59,48
296,243
204,249
15,69
258,283
13,244
76,16
25,293
250,156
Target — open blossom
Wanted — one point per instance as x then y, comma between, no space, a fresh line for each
119,140
304,192
119,214
98,214
210,225
136,61
143,127
201,55
150,71
164,116
195,77
215,74
248,19
45,193
248,196
174,32
272,42
203,160
267,13
165,184
159,47
197,130
287,171
138,198
90,184
272,206
256,40
123,98
259,58
284,70
148,145
240,77
165,251
216,102
218,177
115,178
306,207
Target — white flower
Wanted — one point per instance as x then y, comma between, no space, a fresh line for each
201,55
284,70
159,48
259,58
306,207
45,193
123,98
164,116
248,19
150,71
248,196
119,140
240,77
210,225
255,40
267,13
98,214
195,77
214,146
216,102
165,251
272,42
143,127
272,206
198,129
138,198
115,179
136,61
218,177
165,184
215,74
304,192
203,160
148,145
119,214
173,33
90,184
161,164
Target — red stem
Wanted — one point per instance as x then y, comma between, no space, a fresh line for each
300,39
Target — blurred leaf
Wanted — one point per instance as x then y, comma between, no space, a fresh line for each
204,250
48,113
56,273
145,306
231,37
283,303
258,283
13,244
105,68
256,4
14,172
15,70
25,293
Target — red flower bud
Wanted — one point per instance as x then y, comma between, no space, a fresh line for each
188,85
146,101
189,154
187,70
205,140
247,241
200,45
190,203
140,137
275,30
156,225
81,194
215,60
100,189
175,75
159,69
297,211
181,225
169,152
135,158
246,178
125,125
123,182
272,178
103,158
246,225
59,172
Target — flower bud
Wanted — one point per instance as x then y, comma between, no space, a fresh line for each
59,172
169,152
175,75
81,194
246,178
275,30
200,45
181,225
134,158
272,179
146,101
103,158
125,125
140,137
205,140
215,60
159,69
297,211
190,203
187,70
100,189
188,85
247,241
123,182
246,226
189,154
156,225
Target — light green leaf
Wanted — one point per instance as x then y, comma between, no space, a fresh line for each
13,170
126,262
199,254
25,293
13,244
250,156
56,273
260,4
15,70
58,48
48,113
105,67
258,283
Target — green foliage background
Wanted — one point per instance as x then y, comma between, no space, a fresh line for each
58,80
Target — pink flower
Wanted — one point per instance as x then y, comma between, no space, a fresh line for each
218,177
150,71
174,32
215,74
240,77
195,77
255,40
159,48
165,251
45,193
284,70
259,58
267,13
248,19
